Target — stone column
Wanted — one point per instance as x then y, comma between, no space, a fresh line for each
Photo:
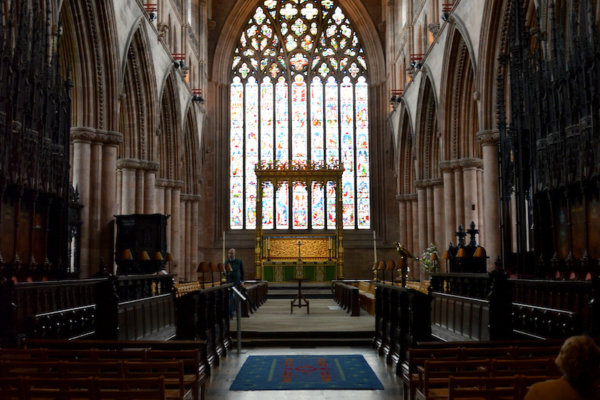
149,191
489,142
169,211
422,215
449,208
95,204
188,237
176,226
402,219
430,220
415,233
119,191
160,199
459,197
470,186
195,227
109,195
139,190
439,216
437,188
81,140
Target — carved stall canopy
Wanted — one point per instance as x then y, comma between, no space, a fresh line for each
34,148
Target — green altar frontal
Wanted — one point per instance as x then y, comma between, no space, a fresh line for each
288,271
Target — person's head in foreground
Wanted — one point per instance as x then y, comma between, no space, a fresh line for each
579,362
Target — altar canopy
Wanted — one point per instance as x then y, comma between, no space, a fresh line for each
309,256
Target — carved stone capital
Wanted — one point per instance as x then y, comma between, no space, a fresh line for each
466,163
86,134
406,197
190,197
434,28
488,137
448,165
132,163
169,183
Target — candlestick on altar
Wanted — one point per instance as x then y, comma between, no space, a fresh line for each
299,244
374,248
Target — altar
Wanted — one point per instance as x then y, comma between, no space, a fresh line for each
311,257
315,255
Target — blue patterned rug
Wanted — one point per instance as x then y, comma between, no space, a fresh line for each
345,372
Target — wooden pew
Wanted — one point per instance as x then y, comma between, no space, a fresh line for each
192,353
171,371
366,292
492,388
347,296
434,374
129,389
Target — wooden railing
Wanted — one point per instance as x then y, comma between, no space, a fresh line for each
105,308
489,306
256,294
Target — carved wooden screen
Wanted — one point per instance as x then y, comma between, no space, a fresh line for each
299,93
34,147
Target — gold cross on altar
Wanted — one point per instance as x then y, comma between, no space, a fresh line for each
299,244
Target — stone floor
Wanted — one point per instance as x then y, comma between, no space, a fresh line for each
275,316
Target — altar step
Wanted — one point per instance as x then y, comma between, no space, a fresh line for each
290,290
304,339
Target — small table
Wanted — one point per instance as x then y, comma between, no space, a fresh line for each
299,298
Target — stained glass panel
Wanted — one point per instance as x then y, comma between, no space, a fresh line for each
300,198
331,196
318,206
313,117
316,118
281,121
266,117
267,206
331,120
282,208
299,128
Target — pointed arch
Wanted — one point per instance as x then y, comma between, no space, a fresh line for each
138,110
192,151
460,119
405,154
169,142
89,37
427,138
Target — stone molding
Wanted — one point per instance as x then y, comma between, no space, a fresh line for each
91,135
488,137
190,197
406,197
132,163
169,183
462,163
425,183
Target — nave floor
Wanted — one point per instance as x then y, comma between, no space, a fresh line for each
274,316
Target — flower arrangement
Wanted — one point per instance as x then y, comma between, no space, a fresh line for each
430,259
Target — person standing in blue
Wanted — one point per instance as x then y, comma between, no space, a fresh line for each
234,274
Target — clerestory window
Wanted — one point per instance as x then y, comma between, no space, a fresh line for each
299,93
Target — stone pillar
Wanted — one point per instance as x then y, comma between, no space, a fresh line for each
119,191
470,185
149,191
421,216
459,197
402,219
439,216
449,208
188,238
128,182
160,199
489,142
94,205
109,196
169,211
415,233
81,181
430,220
176,227
139,191
194,240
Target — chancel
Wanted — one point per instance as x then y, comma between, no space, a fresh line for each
424,173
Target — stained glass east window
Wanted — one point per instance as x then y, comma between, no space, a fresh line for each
299,92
